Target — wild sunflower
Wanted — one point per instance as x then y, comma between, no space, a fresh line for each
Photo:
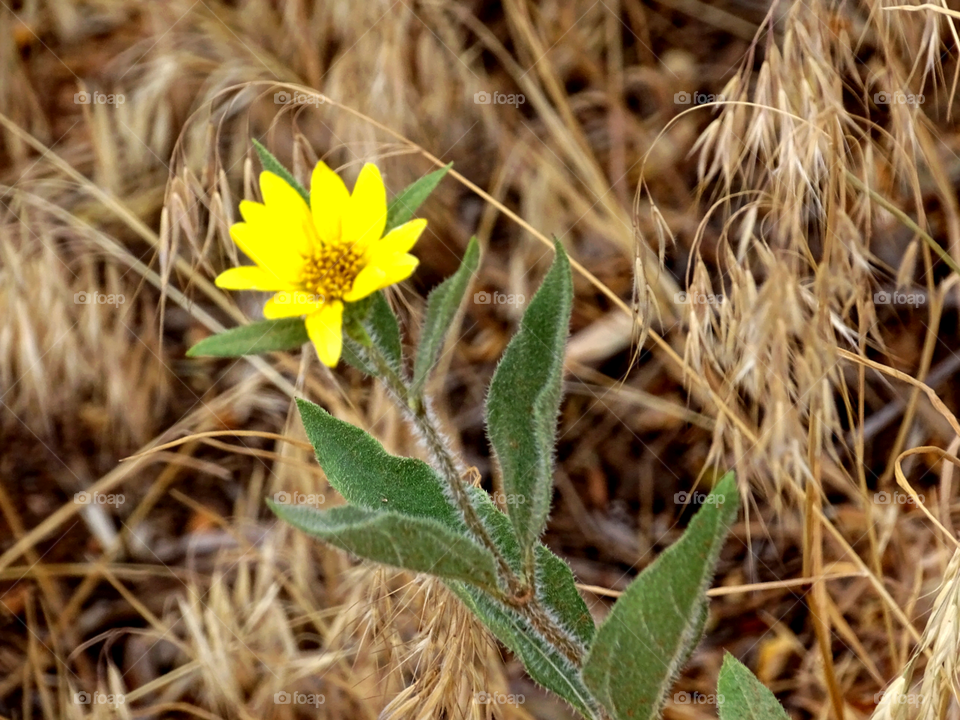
319,257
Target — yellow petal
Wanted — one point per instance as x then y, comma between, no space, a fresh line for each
250,277
398,268
260,243
365,215
291,232
292,303
325,329
279,195
328,200
387,271
367,282
398,240
286,214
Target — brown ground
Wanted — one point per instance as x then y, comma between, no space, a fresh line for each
190,600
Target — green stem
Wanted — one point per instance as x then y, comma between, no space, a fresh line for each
444,461
520,596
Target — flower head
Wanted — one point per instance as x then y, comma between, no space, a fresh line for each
319,257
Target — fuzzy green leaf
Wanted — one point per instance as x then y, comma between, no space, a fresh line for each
357,465
271,164
524,401
555,587
373,318
557,593
442,306
382,326
740,696
656,623
253,339
404,205
417,544
367,476
355,355
543,662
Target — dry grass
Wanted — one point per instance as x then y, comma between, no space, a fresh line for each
796,200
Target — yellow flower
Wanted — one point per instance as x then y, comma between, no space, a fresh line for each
319,257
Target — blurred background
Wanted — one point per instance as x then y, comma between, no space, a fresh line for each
749,192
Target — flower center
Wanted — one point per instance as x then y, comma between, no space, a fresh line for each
330,271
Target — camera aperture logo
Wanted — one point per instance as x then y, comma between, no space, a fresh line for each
298,698
285,97
697,98
895,498
695,698
98,98
95,498
98,298
497,298
497,98
98,698
898,97
898,298
698,498
298,498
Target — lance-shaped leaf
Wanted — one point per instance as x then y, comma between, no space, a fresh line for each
740,696
368,324
442,306
524,401
253,339
369,477
271,164
382,326
555,587
404,205
417,544
654,626
354,354
544,663
557,593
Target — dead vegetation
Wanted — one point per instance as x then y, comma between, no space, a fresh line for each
739,274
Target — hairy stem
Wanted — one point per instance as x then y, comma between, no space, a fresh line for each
520,596
523,596
443,459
